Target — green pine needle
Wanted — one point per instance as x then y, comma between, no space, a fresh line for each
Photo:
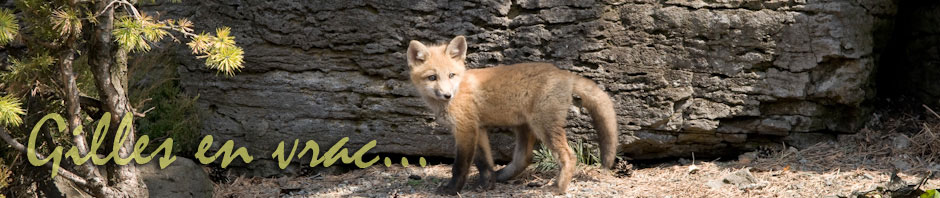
545,159
28,70
133,34
9,26
66,22
220,51
10,111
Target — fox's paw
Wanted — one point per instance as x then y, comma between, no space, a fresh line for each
502,175
447,190
484,181
557,190
483,185
537,184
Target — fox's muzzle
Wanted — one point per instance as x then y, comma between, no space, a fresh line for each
443,95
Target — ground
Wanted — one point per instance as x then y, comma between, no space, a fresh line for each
856,165
660,181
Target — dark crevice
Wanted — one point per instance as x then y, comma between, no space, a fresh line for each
761,67
369,8
722,76
516,10
636,74
907,68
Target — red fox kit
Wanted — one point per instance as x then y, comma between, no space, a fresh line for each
531,98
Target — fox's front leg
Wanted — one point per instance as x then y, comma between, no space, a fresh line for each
484,160
466,139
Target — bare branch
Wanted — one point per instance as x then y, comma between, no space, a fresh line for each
106,8
130,7
148,110
12,142
931,111
44,44
187,34
19,147
142,114
127,6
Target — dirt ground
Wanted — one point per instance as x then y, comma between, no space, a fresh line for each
665,180
859,165
660,181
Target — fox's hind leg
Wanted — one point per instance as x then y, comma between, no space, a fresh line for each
548,125
550,130
556,141
521,155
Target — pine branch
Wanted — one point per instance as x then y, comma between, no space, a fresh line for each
37,41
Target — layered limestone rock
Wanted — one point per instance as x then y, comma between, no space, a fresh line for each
687,76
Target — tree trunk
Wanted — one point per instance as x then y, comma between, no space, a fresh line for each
111,81
73,113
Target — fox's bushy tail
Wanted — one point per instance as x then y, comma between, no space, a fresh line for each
601,109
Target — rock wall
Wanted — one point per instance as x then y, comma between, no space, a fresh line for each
710,77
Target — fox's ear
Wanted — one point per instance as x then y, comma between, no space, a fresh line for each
457,48
417,53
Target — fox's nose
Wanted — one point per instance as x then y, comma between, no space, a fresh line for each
446,96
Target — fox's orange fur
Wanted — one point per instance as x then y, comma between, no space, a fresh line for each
531,98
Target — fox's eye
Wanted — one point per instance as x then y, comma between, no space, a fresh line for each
432,77
452,75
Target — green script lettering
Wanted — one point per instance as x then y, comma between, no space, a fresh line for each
226,150
97,138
